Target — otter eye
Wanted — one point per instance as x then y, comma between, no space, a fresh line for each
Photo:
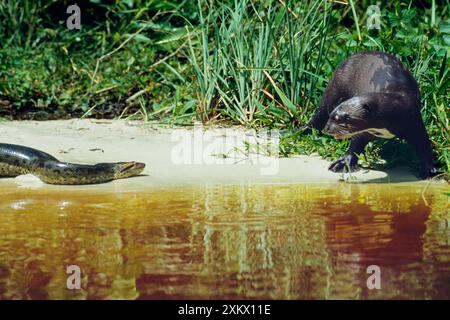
341,117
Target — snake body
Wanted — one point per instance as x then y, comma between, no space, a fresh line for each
16,160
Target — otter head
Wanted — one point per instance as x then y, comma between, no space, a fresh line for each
350,117
127,169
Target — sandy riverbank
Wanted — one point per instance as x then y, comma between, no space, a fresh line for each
173,156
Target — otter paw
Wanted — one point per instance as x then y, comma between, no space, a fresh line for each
344,164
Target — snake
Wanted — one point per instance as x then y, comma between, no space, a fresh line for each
17,160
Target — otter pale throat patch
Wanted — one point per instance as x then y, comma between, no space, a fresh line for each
381,133
377,132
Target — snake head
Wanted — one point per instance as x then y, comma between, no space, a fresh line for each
128,169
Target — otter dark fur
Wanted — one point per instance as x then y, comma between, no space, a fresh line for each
372,95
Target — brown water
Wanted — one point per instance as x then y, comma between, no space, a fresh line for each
215,241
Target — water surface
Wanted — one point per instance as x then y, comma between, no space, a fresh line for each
226,242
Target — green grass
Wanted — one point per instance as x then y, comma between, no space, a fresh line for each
261,64
258,62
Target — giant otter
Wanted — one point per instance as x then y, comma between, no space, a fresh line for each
372,95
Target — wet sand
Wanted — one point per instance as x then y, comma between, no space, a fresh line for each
174,156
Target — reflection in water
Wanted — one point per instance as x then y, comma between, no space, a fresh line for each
215,241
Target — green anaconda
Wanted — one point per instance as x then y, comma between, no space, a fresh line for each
16,160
